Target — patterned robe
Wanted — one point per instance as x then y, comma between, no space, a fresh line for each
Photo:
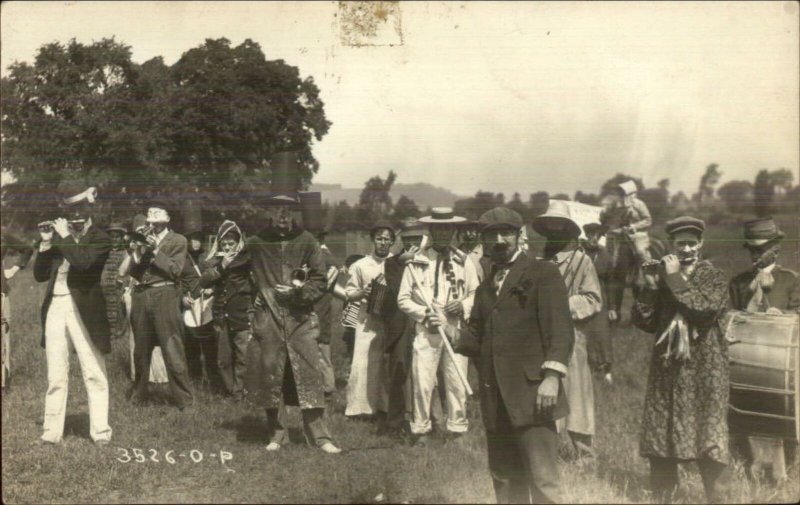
115,309
686,404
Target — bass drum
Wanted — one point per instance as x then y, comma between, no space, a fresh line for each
764,376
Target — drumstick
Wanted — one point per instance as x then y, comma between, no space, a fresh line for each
447,345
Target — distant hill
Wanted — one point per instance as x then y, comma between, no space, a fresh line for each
422,193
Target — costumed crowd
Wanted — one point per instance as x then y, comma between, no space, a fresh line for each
454,291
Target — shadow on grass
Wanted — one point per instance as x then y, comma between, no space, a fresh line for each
253,429
77,425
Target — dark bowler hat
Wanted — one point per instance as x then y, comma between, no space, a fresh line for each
116,226
760,231
500,217
412,227
685,223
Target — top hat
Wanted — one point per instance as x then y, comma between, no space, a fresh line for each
685,223
557,218
500,217
760,231
442,215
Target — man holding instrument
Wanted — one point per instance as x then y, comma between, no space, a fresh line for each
437,290
520,329
72,253
289,275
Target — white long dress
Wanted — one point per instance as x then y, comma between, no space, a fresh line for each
366,388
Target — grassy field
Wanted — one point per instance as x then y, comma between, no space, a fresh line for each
78,472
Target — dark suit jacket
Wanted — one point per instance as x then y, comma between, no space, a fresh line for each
783,295
11,243
513,334
166,265
87,260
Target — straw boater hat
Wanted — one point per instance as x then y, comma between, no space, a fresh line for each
685,223
557,218
760,231
442,215
500,217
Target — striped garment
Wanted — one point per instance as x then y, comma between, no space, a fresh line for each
112,292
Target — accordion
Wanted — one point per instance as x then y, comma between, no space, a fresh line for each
350,314
377,298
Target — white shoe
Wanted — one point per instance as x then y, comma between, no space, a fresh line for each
273,446
330,448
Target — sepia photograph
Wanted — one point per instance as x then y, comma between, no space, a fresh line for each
400,252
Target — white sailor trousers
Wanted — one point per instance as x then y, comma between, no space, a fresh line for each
64,326
428,356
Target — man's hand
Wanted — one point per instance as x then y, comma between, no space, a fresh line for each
548,392
454,309
613,316
433,319
187,301
774,311
152,241
10,272
671,264
61,227
283,292
227,259
408,255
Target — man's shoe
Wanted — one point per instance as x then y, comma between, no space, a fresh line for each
101,443
421,441
273,447
330,448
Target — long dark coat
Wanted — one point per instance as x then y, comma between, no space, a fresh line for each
513,334
87,259
288,330
783,295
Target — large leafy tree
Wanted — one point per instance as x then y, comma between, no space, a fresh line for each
737,195
209,123
375,203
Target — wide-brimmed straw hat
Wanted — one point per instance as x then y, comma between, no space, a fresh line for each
558,218
442,215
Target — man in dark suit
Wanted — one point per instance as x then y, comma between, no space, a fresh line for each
155,307
767,287
520,329
72,254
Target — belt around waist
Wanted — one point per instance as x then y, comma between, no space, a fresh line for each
142,287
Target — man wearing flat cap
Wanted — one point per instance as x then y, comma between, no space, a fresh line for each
157,268
448,281
289,275
767,287
521,331
72,253
686,404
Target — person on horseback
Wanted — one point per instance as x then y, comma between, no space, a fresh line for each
629,219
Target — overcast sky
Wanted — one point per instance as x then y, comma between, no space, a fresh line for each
502,96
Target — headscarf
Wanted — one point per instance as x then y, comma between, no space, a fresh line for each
226,227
